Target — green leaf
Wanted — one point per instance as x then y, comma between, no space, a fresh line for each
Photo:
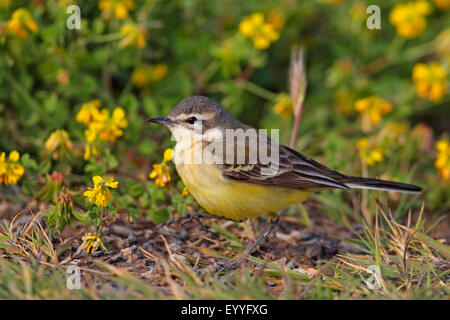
439,247
44,166
182,209
159,216
136,190
29,163
177,199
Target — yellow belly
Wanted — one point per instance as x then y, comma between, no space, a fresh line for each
233,199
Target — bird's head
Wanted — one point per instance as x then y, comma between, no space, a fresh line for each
197,115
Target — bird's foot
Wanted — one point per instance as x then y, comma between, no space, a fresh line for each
193,216
251,246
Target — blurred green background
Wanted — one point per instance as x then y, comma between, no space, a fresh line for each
145,56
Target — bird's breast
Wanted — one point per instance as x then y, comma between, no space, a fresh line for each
222,196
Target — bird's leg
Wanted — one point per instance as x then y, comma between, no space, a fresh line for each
249,250
252,246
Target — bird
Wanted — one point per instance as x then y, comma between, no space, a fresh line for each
229,178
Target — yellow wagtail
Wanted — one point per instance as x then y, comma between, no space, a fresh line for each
227,169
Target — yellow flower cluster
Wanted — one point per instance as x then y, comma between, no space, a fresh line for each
409,18
442,4
372,109
92,241
146,74
373,149
59,144
100,193
106,127
89,111
10,170
369,152
21,23
132,34
101,126
283,105
120,8
430,81
443,158
262,32
161,171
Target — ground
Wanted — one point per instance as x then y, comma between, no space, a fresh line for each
186,261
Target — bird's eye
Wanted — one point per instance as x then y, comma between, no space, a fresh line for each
191,120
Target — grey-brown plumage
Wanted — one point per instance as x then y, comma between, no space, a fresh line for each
203,105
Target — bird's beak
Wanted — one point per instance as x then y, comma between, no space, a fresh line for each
163,120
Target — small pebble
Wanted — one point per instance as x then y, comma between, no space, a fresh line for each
115,259
307,236
98,253
184,234
147,246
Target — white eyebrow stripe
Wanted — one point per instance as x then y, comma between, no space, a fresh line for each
204,116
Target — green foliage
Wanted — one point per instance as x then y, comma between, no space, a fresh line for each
198,47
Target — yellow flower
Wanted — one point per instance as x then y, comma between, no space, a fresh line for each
185,192
161,171
100,193
442,4
10,170
409,18
59,144
368,152
146,74
159,71
443,158
262,33
90,150
120,8
92,241
168,155
21,23
430,81
132,35
106,128
372,110
88,111
275,20
283,105
141,76
112,128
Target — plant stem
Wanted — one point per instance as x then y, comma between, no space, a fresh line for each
298,117
258,91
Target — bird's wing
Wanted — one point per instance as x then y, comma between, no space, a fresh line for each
289,169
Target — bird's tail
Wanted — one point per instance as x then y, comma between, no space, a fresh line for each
369,183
